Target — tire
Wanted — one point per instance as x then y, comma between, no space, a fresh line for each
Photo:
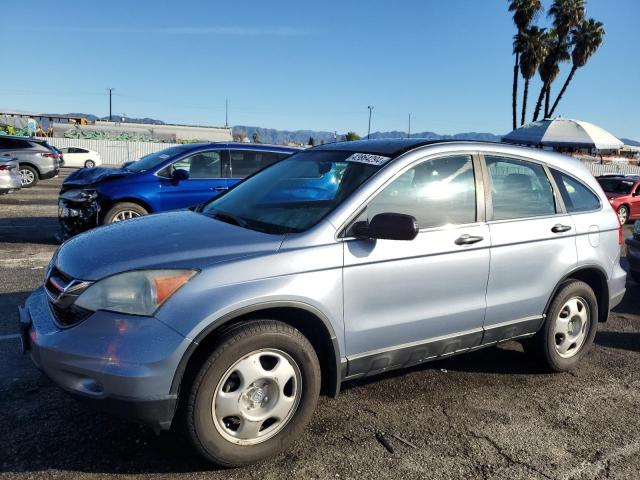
623,214
221,440
29,176
89,164
124,211
576,305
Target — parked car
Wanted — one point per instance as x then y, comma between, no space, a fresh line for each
80,157
177,177
623,193
38,160
10,180
633,252
234,317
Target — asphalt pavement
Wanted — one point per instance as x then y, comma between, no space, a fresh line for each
490,414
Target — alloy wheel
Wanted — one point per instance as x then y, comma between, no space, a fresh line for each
27,177
125,215
623,214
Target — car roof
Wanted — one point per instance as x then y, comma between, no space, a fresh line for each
390,147
28,139
239,146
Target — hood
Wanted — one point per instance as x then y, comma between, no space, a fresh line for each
611,195
182,239
88,176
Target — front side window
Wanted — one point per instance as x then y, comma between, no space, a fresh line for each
200,165
436,192
519,189
154,160
576,196
247,162
296,193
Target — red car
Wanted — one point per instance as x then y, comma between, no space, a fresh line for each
624,194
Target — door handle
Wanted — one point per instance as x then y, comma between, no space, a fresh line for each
559,228
220,189
467,239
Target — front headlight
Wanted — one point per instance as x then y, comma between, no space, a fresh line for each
140,292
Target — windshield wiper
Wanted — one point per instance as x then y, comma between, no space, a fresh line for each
227,218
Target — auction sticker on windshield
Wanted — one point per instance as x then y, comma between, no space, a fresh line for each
367,158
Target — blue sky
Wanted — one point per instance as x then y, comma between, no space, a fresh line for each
302,65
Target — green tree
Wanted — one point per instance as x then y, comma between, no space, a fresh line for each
351,136
524,12
586,40
255,137
533,45
567,15
311,142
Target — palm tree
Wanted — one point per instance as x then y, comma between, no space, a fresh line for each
567,14
586,40
524,11
533,44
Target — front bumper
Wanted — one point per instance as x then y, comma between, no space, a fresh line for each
633,254
123,364
77,216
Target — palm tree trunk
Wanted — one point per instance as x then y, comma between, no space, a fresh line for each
514,96
524,101
547,100
539,102
564,87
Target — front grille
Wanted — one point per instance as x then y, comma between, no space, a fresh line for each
69,316
63,290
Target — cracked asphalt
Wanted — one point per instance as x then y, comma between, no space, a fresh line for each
490,414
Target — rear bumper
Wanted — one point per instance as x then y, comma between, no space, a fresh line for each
100,361
49,174
11,182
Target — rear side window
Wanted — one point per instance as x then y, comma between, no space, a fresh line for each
519,189
577,197
247,162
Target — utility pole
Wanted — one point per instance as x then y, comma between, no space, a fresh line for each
409,132
110,90
226,113
369,129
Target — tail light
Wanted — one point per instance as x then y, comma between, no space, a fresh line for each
620,232
4,168
49,155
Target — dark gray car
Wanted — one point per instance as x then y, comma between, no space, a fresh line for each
38,160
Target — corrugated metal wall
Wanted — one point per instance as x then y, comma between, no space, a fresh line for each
623,168
112,152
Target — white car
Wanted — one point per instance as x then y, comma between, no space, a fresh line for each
80,157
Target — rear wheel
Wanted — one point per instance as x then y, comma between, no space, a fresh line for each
254,395
623,214
28,176
124,211
569,328
89,164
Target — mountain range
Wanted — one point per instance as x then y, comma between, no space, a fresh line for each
283,137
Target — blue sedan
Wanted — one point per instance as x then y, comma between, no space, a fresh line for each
174,178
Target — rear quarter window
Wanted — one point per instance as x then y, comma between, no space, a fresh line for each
577,197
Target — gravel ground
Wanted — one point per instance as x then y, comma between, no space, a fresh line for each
489,414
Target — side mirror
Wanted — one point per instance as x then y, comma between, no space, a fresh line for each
393,226
180,174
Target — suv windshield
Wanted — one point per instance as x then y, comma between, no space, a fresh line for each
153,160
615,185
296,193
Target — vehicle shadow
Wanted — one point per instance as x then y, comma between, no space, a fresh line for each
620,340
34,230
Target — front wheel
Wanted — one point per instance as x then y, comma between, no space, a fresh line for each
124,211
254,395
569,329
623,214
28,176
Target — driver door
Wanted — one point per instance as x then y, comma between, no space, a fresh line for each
408,301
205,180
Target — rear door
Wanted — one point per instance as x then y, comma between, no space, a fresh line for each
532,244
205,180
245,161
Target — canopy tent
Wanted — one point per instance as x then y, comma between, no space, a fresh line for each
564,132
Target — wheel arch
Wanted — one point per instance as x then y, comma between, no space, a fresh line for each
138,201
596,278
309,320
32,165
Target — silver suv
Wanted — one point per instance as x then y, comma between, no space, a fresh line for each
38,160
339,262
